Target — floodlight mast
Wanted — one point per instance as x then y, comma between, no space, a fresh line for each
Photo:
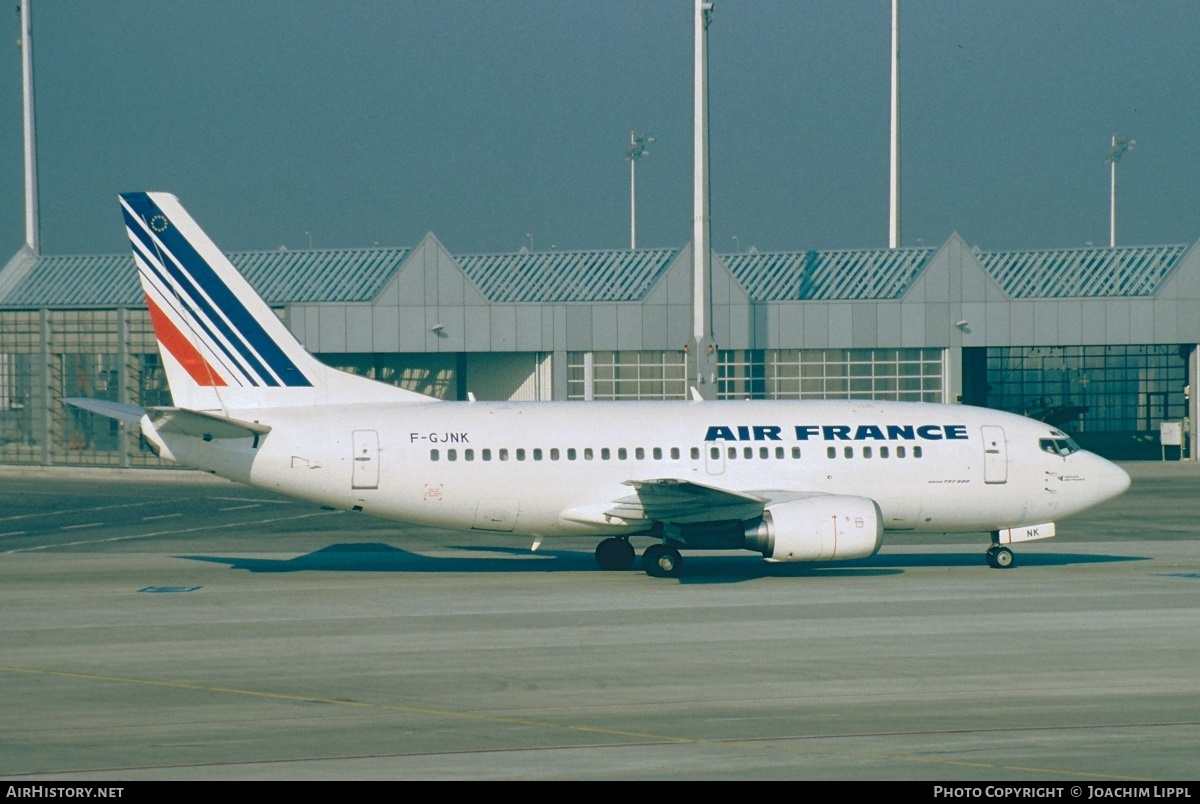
702,354
894,177
32,226
1119,146
637,149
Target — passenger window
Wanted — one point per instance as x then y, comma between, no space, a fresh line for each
764,452
748,452
452,455
831,452
715,452
605,454
571,454
733,452
469,454
554,454
866,452
695,453
433,454
504,454
622,454
658,453
639,453
487,454
795,453
849,451
899,452
588,454
537,454
779,453
916,452
883,452
520,455
674,453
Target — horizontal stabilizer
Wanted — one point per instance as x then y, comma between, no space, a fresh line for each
203,425
113,410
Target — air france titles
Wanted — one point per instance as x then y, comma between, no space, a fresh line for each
840,432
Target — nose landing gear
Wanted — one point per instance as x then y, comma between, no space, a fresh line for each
999,557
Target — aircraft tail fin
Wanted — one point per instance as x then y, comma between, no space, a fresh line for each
222,346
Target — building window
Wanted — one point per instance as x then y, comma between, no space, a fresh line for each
1080,389
627,375
913,375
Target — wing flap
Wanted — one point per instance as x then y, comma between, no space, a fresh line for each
684,502
680,502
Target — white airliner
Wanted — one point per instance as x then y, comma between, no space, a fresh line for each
796,481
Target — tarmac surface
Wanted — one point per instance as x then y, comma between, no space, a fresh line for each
164,625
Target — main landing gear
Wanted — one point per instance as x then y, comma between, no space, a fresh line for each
998,556
662,561
615,554
659,560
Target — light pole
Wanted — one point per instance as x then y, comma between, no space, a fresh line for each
1119,146
637,149
894,175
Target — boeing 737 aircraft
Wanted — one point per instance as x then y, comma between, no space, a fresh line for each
793,480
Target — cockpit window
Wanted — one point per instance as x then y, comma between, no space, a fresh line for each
1058,446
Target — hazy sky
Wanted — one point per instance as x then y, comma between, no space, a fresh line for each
376,121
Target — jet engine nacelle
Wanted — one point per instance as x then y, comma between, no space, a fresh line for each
827,527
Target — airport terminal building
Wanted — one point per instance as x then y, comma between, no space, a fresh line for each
1099,341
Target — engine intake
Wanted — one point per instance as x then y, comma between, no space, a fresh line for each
827,527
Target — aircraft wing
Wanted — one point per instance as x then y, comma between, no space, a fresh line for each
684,501
681,502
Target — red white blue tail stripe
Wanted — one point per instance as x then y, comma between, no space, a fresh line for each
197,317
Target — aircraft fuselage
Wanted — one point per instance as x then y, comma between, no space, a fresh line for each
519,466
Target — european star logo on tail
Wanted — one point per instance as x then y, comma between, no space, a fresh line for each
222,346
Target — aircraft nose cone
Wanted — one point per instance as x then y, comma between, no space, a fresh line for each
1112,480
